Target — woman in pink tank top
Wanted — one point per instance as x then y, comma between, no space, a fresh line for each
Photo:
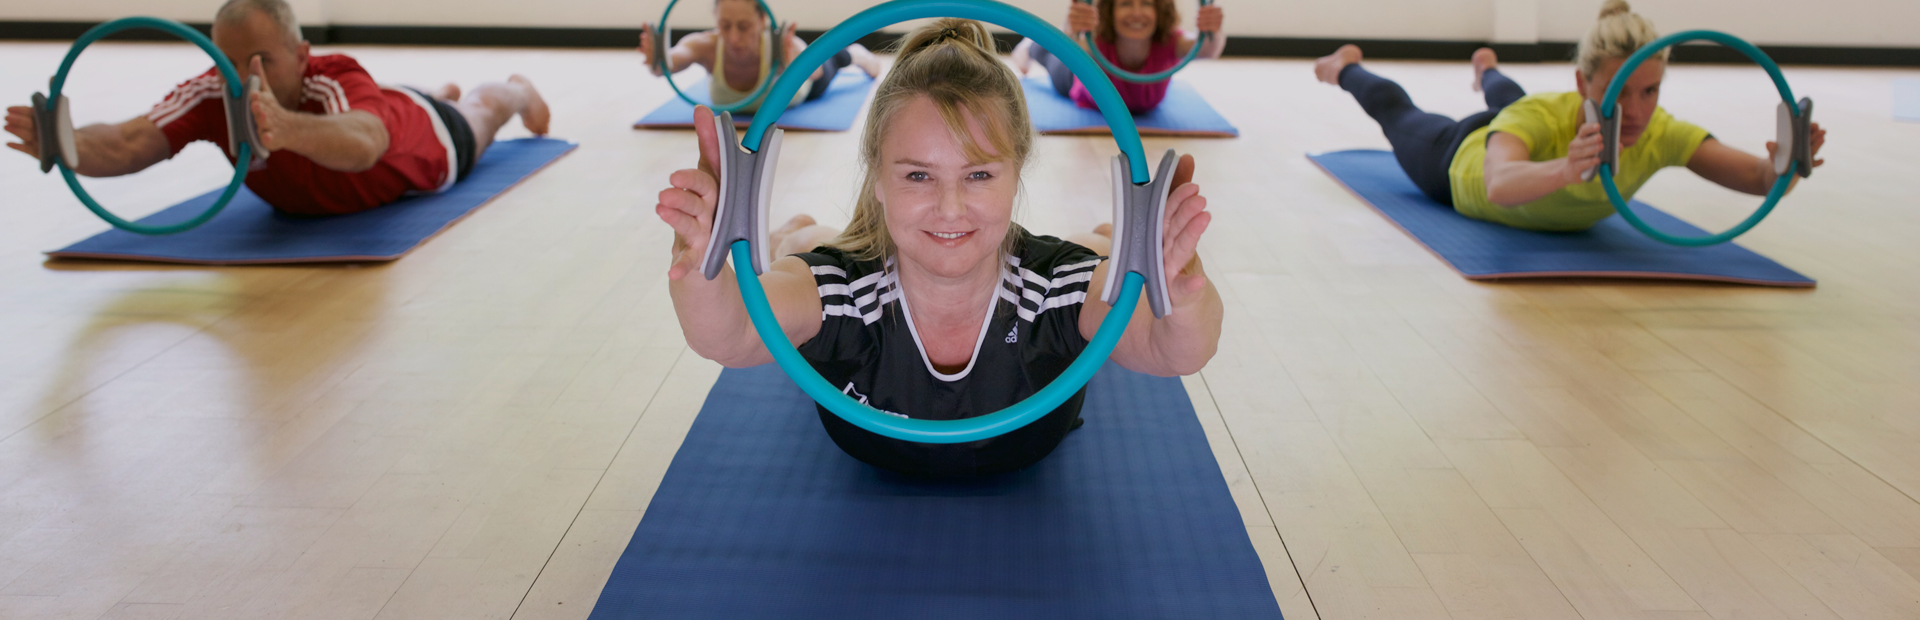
1141,36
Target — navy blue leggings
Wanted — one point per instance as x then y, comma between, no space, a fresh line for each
1424,142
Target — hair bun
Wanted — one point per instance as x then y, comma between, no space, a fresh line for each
1611,8
947,28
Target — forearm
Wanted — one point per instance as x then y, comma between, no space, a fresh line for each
1514,183
713,317
350,142
105,151
1183,342
1216,45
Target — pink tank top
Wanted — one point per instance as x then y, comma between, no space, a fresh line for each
1140,98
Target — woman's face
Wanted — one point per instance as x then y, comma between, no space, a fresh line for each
740,26
946,214
1135,19
1638,98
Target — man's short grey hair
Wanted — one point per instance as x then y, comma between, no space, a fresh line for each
235,11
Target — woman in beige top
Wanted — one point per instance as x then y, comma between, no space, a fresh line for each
738,54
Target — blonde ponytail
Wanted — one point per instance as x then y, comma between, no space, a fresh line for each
951,62
1616,35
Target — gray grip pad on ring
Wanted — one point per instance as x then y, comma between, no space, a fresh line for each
1609,139
746,186
1794,134
1139,227
660,36
240,127
55,129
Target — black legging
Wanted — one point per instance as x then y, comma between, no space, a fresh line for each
1424,142
1056,69
828,69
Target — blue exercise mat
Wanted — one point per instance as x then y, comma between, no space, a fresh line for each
1906,100
1183,113
760,515
1487,251
248,232
833,111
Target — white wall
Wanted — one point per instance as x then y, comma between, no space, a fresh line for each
1832,22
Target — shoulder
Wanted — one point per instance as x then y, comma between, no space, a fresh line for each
1048,254
334,66
831,265
1537,116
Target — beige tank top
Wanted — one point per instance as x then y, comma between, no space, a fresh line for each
722,94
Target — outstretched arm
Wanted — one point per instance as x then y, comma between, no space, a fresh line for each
712,314
693,48
104,150
1180,343
1741,172
1514,179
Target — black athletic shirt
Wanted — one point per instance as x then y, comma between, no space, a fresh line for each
868,346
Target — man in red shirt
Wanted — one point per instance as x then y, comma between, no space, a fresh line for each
338,141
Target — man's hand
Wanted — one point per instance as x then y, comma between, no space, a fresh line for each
20,123
269,119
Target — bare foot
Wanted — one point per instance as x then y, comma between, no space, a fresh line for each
535,116
778,236
865,60
449,92
1104,230
1022,59
1483,59
1328,67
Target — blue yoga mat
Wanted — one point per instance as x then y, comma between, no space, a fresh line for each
1183,113
833,111
248,232
1486,251
761,516
1906,100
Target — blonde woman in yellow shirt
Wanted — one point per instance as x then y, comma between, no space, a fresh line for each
1519,163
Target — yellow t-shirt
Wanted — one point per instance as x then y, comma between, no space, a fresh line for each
1547,123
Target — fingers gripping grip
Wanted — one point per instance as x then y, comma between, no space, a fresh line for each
1794,154
240,126
1609,140
746,186
54,124
1139,229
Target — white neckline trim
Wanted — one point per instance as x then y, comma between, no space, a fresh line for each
985,323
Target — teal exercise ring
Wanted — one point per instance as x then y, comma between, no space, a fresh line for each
1145,78
59,152
1126,135
661,46
1795,158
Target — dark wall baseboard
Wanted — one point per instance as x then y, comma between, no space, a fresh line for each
1268,47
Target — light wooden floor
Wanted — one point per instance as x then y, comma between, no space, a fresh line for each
474,431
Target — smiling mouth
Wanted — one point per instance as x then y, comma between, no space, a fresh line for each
949,236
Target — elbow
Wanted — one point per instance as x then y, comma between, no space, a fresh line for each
1500,196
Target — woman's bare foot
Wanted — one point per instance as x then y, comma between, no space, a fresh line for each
536,115
1328,67
1104,230
449,92
865,60
1022,59
1483,59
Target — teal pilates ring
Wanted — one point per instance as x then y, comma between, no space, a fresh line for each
1146,78
235,91
661,45
1608,110
1098,349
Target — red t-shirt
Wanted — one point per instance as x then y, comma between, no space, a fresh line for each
419,157
1140,98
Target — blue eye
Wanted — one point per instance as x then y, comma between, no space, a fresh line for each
980,175
917,176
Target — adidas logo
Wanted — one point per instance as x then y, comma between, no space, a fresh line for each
1013,335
